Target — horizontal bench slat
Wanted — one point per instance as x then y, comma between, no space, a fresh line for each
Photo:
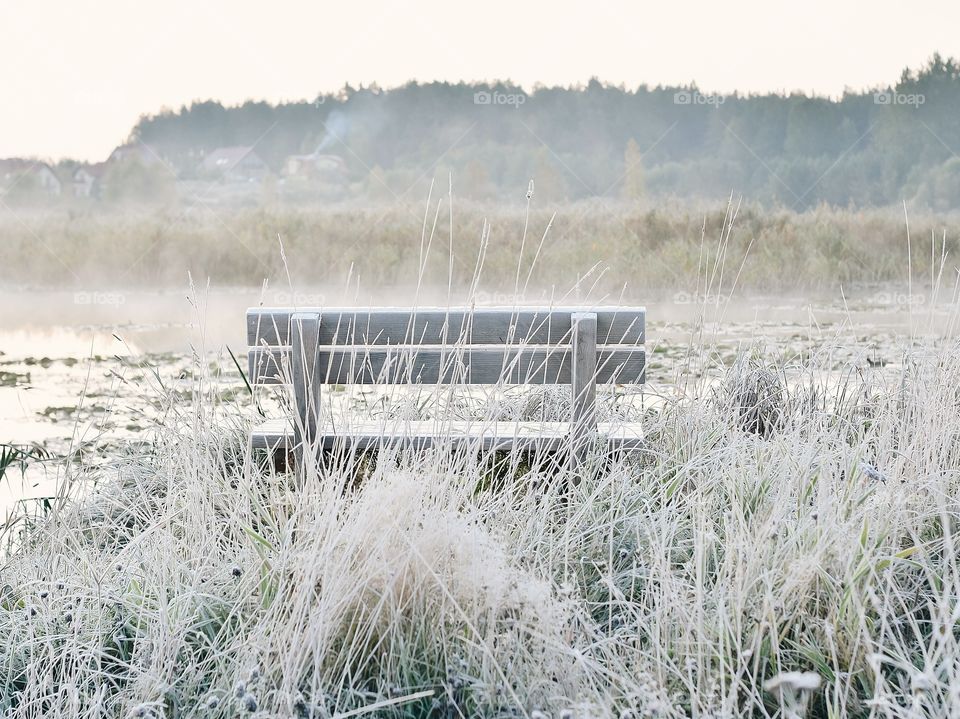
622,325
511,365
544,436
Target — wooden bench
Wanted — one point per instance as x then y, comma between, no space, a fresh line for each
347,346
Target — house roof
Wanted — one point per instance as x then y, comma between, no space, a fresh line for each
20,166
94,170
142,152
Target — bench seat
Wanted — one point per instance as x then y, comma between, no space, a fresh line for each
278,434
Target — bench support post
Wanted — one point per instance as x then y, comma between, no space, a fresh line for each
583,382
304,341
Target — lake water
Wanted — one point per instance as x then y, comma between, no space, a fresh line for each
78,371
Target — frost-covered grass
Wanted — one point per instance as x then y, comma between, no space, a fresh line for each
797,558
783,546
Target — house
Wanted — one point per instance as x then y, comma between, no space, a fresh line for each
235,164
86,180
20,174
138,151
331,168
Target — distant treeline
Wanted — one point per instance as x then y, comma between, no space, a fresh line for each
871,147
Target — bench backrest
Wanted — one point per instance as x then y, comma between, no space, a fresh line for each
442,346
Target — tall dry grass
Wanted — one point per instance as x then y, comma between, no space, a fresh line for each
723,571
647,247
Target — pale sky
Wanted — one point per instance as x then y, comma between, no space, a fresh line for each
75,75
